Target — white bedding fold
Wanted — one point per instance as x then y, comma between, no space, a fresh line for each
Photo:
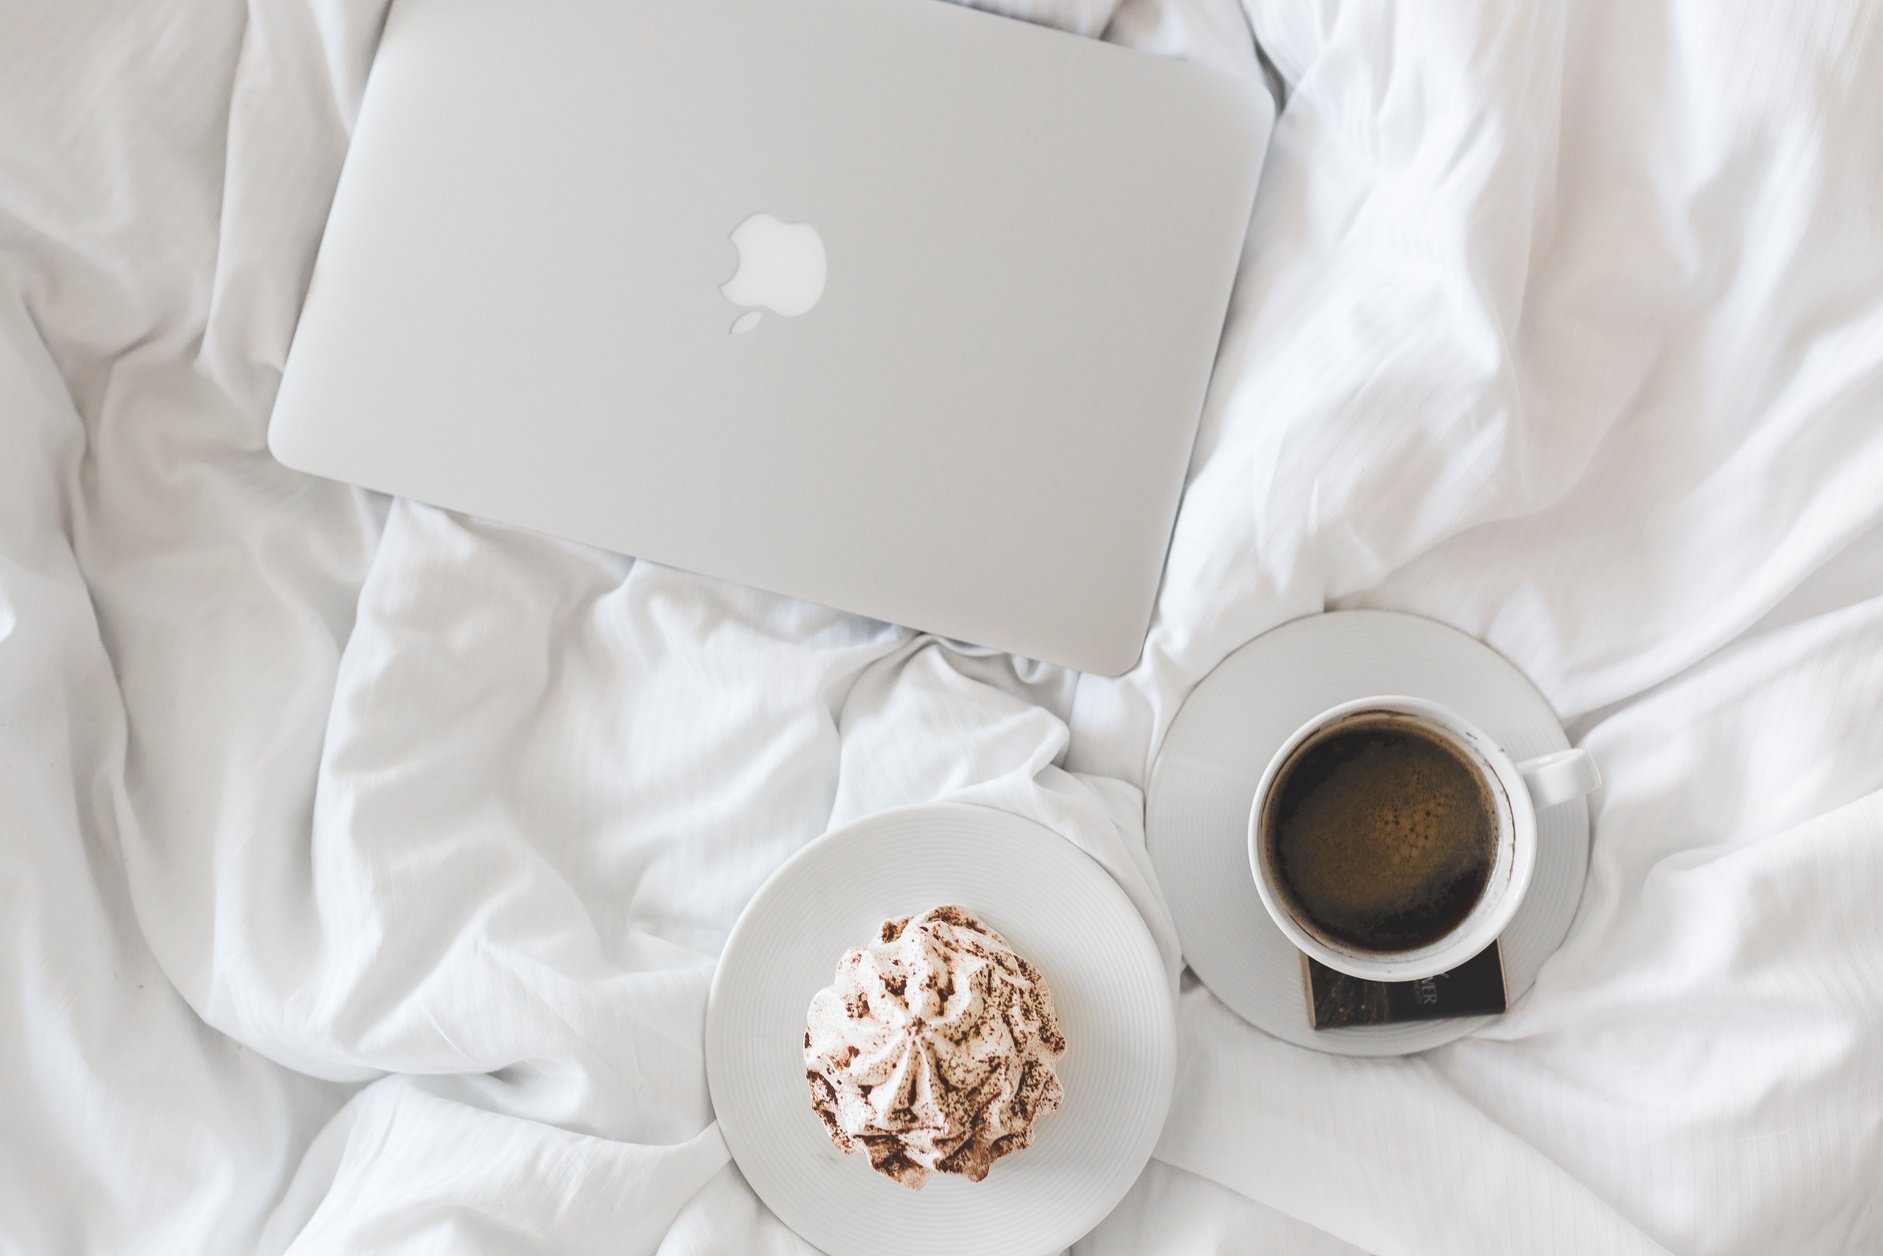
367,864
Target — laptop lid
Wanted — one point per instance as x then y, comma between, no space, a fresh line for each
886,304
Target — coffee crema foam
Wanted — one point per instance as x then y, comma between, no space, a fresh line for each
1385,833
933,1051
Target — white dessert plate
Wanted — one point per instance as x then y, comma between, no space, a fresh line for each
1197,813
1058,908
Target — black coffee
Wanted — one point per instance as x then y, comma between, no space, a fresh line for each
1382,834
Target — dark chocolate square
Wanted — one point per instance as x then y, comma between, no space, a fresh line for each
1474,988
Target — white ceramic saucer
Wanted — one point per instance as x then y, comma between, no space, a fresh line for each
1197,814
1056,907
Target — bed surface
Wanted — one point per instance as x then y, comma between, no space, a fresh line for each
366,864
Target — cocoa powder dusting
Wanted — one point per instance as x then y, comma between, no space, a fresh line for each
934,1050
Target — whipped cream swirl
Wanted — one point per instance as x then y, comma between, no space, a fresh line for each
933,1050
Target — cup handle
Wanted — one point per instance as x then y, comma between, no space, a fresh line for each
1559,777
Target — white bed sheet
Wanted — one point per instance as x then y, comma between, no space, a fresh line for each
365,865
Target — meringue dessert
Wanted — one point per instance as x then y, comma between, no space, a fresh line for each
933,1050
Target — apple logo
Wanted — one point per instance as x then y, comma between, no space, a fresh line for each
781,269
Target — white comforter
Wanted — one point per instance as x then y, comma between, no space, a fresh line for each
364,865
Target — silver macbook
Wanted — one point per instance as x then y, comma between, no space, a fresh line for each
888,304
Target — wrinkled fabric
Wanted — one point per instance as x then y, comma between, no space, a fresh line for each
366,864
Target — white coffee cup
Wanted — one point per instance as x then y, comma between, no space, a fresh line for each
1517,791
